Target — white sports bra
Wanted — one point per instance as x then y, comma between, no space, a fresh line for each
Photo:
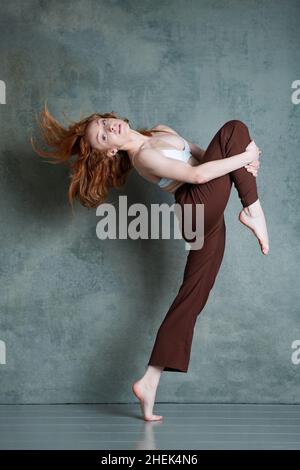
182,155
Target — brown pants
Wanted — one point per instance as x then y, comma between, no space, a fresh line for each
172,347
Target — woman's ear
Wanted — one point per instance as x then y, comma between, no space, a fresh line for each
112,152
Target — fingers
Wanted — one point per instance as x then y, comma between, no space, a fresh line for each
253,173
253,167
252,170
254,164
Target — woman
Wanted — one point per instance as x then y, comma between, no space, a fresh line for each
107,148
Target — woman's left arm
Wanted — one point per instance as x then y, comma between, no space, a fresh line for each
198,153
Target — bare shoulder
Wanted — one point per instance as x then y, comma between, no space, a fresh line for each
163,127
149,157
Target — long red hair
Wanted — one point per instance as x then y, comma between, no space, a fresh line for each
92,173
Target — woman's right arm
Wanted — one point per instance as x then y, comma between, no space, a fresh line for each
165,167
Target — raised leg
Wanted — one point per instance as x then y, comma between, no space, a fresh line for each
231,139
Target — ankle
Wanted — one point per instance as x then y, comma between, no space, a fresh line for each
254,209
152,376
150,384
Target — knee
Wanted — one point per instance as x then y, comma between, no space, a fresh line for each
233,123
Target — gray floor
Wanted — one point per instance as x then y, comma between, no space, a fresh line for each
120,426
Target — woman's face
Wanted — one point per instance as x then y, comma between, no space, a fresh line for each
107,134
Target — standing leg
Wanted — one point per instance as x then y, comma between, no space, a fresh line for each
174,338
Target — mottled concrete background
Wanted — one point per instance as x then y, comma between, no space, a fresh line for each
79,315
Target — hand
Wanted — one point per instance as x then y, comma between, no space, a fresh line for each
253,151
253,167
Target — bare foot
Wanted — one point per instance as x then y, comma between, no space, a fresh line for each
146,395
253,217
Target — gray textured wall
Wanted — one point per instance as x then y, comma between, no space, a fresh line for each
78,315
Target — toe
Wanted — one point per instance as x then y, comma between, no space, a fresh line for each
157,417
153,418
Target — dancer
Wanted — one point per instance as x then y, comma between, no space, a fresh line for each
107,148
